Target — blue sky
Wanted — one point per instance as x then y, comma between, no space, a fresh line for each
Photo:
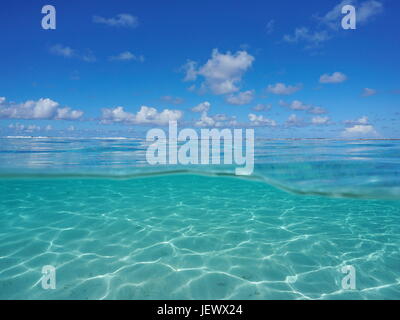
286,68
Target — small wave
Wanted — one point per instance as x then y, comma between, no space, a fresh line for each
330,168
360,192
26,137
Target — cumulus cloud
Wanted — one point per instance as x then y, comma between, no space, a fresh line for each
63,51
218,120
336,77
126,56
313,38
363,121
202,107
367,10
43,108
173,100
318,120
222,73
317,110
120,20
294,121
283,89
241,98
68,52
262,107
360,130
190,69
28,128
16,126
260,120
68,114
367,92
205,120
297,105
146,115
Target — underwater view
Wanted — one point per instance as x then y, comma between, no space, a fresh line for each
116,228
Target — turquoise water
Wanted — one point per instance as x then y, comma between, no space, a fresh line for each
95,211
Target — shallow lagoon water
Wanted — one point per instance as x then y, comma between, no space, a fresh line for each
187,236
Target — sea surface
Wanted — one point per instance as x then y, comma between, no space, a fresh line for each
115,227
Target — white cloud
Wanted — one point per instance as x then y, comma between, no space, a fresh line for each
222,72
202,107
317,110
367,10
116,114
363,120
262,107
120,20
318,120
221,117
68,114
146,115
367,92
294,121
126,56
260,120
298,105
241,98
88,56
43,108
173,100
68,52
205,120
336,77
218,120
63,51
17,126
190,70
360,130
282,89
28,128
313,38
32,127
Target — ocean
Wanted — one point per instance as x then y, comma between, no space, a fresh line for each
115,227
